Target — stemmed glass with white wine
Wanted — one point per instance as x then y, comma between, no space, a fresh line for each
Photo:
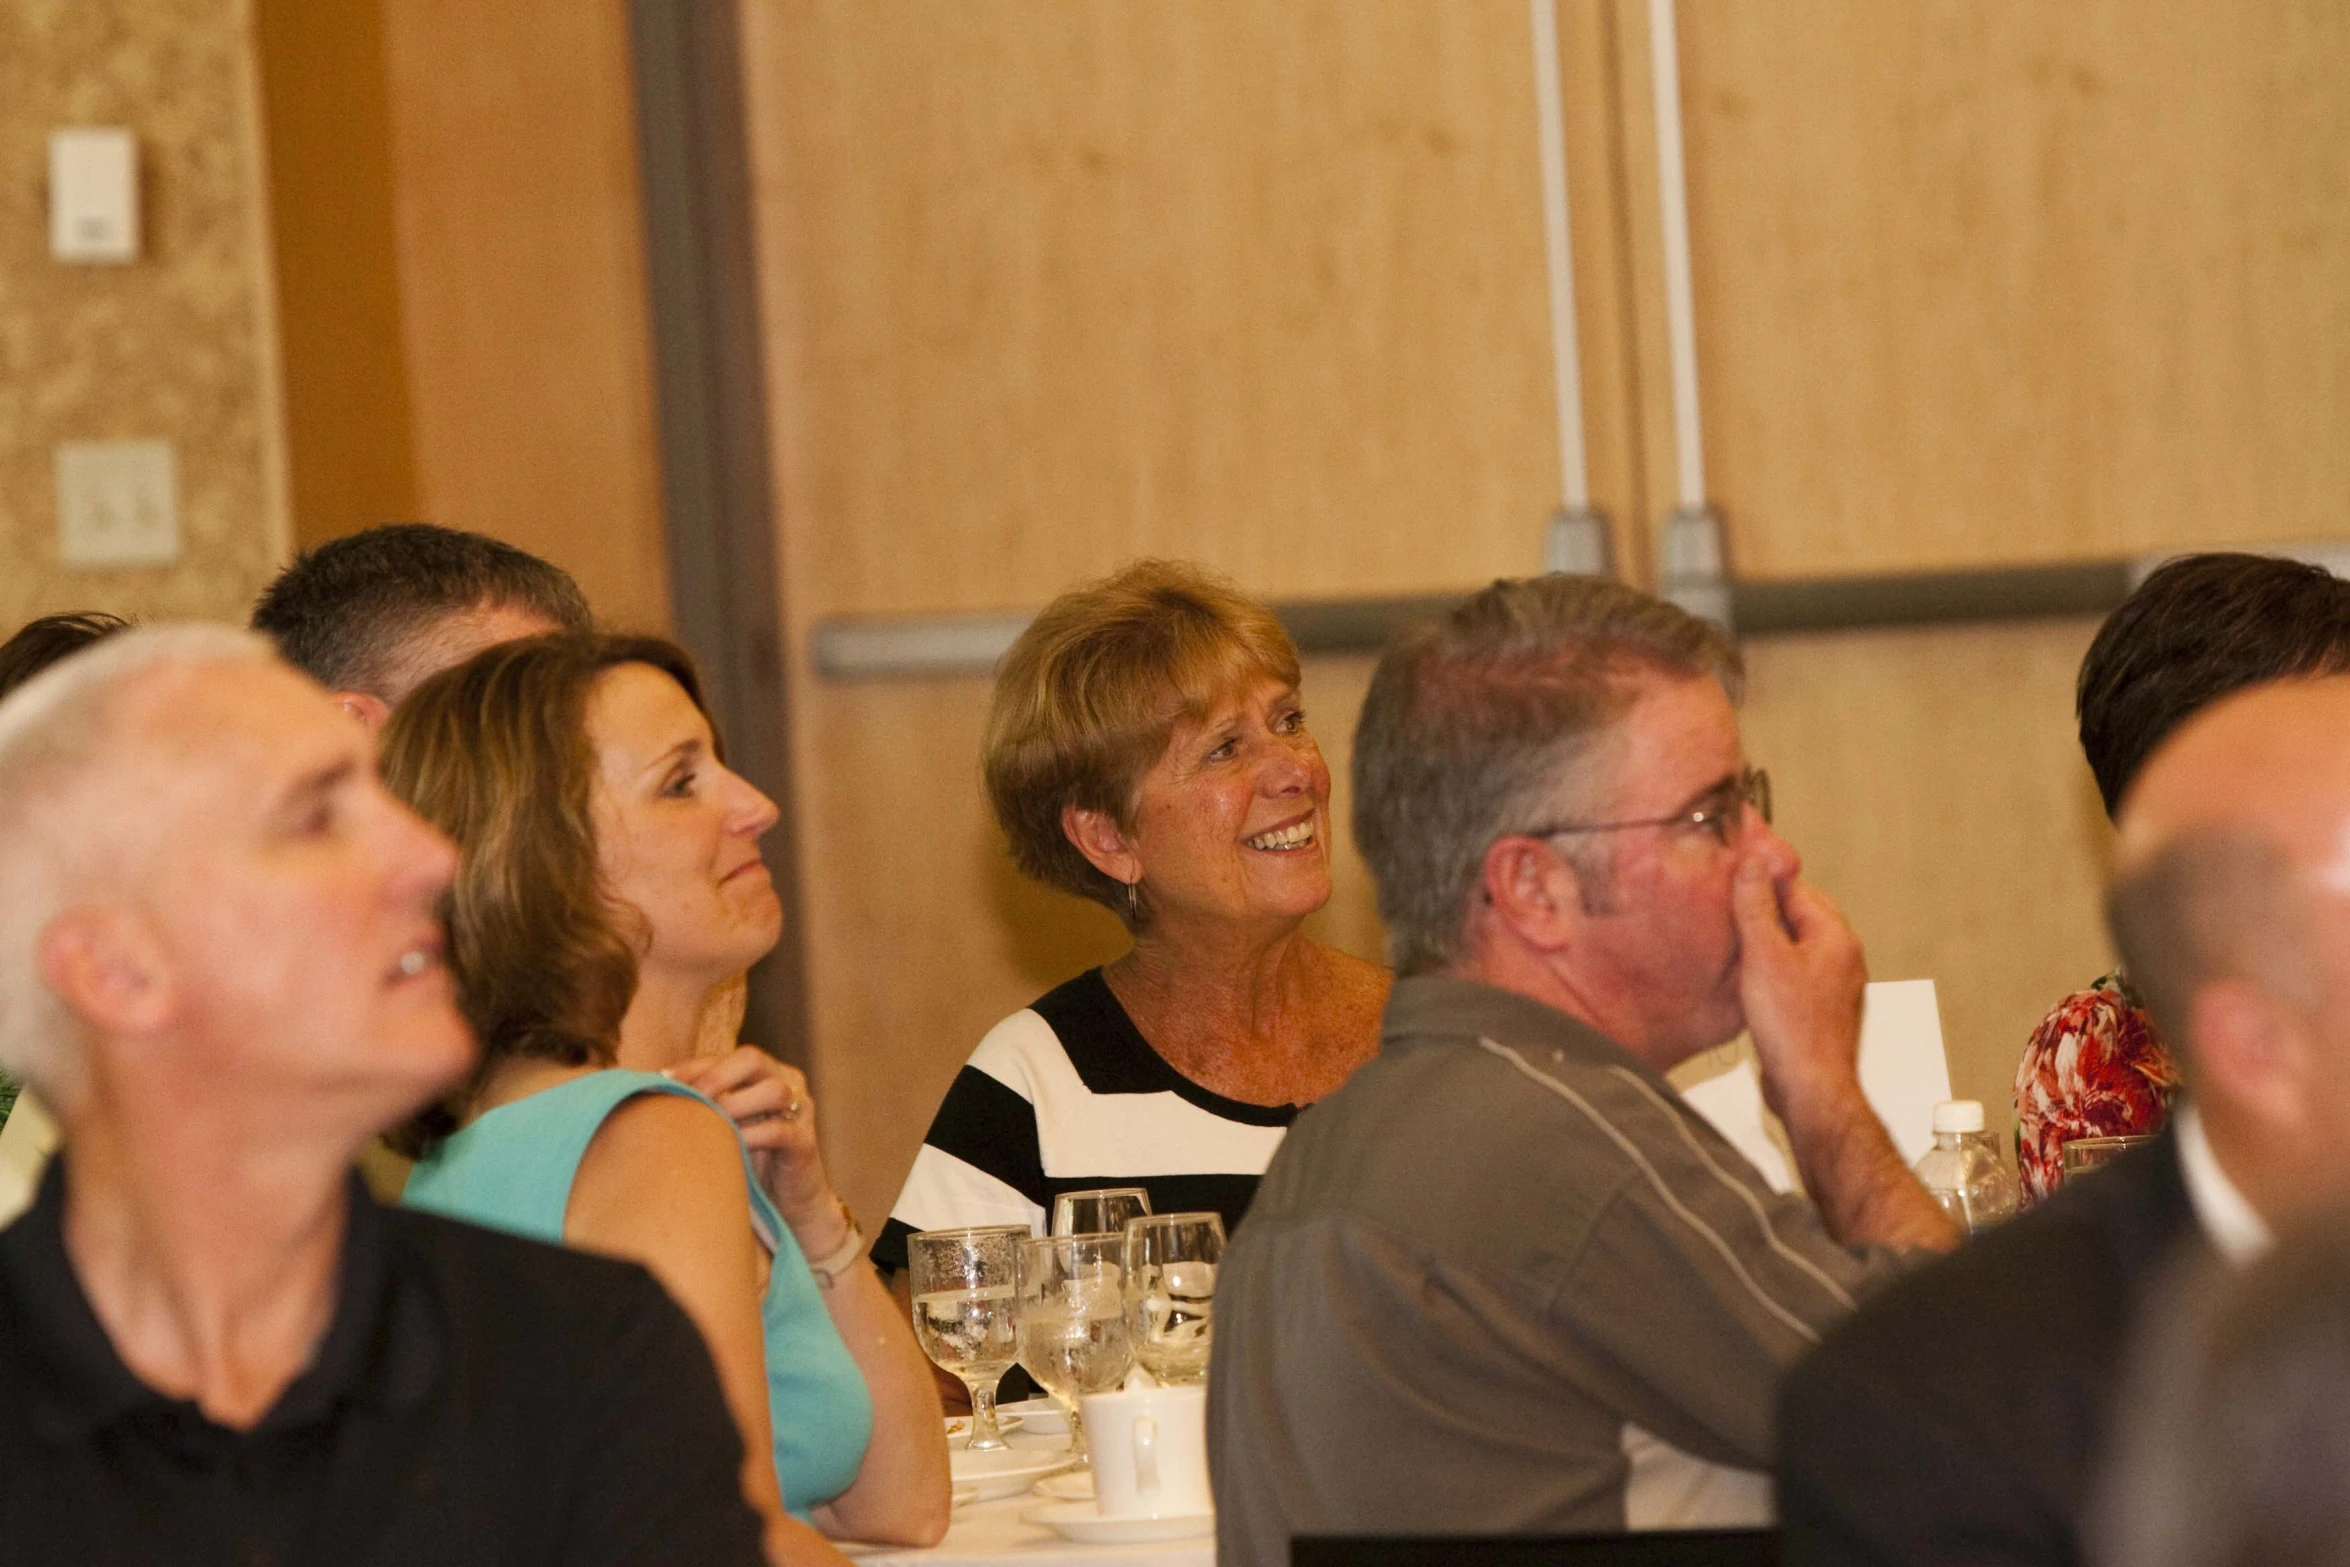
1073,1320
1171,1261
965,1286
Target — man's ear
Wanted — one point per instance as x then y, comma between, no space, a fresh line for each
1534,892
1103,843
2252,1050
371,710
107,969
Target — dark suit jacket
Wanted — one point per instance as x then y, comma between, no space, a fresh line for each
1958,1418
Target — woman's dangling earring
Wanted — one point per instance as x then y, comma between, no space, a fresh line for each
1134,901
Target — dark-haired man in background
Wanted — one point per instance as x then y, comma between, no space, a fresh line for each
373,615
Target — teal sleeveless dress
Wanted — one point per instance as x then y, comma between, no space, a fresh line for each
512,1169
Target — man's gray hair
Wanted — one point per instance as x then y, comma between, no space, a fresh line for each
1478,724
2212,904
57,732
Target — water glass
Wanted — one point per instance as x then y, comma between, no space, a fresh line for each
1072,1331
1101,1212
966,1311
2083,1154
1171,1261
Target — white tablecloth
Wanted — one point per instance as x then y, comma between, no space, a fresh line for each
987,1534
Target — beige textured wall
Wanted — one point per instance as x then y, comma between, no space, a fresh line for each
177,345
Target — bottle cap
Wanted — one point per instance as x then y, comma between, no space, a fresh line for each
1959,1115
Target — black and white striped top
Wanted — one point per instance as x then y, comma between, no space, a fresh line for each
1064,1096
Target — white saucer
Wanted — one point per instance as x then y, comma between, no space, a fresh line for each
1074,1486
959,1426
1041,1416
1083,1522
965,1494
1007,1473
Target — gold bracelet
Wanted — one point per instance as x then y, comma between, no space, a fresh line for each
842,1257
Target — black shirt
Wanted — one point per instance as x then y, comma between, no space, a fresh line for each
1960,1417
994,1148
477,1398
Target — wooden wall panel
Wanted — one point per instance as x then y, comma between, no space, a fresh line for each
330,200
1982,281
522,294
1057,286
1933,783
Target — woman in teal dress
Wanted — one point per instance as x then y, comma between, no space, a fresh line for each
609,899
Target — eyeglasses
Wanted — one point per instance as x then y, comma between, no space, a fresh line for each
1717,812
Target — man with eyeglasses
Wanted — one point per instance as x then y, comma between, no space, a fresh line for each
1504,1281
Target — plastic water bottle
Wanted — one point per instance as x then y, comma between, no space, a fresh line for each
1964,1169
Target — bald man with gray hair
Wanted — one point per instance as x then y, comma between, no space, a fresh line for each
53,738
1960,1418
221,963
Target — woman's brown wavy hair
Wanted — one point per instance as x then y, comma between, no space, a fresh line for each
495,753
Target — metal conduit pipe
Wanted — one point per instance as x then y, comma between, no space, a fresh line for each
931,646
1578,539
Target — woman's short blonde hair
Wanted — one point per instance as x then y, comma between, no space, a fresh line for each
1092,691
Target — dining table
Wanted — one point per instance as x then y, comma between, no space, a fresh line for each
994,1533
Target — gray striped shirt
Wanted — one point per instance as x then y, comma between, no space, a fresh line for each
1505,1281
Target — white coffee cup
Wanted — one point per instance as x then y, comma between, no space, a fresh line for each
1150,1452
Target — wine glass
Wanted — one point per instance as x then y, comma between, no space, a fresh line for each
1101,1212
2083,1154
1073,1320
1171,1263
965,1312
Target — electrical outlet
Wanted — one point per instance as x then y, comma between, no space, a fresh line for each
94,194
117,503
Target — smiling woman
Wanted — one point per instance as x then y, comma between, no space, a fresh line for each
609,898
1146,749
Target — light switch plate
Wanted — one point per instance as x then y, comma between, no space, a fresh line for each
117,503
94,194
